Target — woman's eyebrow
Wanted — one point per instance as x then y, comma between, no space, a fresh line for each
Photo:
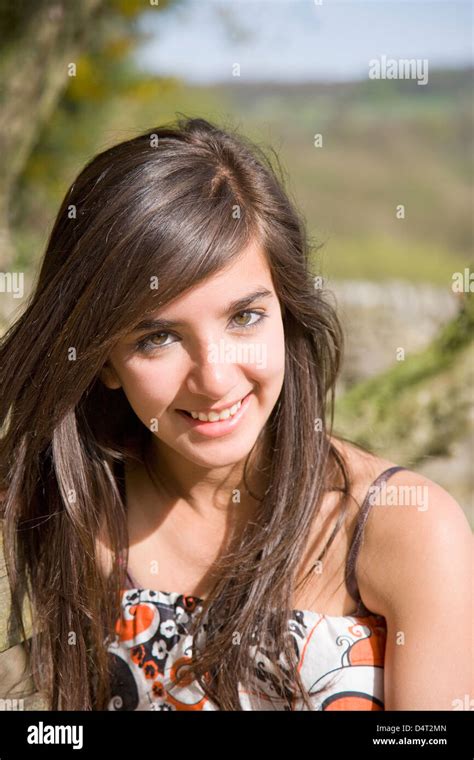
238,305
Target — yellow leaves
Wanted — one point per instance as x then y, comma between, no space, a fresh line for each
118,48
89,83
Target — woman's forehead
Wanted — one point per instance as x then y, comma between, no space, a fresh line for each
247,274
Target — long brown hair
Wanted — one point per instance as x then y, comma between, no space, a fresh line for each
162,204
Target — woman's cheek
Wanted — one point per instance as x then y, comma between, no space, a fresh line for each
148,392
275,350
269,368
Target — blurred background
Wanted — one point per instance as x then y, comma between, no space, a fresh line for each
381,168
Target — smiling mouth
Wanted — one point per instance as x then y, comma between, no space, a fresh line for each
220,427
214,416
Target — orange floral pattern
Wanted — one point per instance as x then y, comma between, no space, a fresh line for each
340,657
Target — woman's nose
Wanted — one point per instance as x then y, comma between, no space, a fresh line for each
213,375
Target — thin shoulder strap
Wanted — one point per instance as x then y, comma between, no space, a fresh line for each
350,575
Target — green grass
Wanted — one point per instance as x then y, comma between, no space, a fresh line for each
379,258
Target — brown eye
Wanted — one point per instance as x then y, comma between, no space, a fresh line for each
148,343
245,315
157,335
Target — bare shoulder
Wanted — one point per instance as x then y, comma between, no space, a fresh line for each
417,547
415,569
417,539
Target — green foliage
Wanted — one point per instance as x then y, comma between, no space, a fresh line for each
439,355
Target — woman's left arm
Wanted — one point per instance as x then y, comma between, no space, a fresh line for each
416,570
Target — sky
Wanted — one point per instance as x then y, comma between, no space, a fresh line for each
301,40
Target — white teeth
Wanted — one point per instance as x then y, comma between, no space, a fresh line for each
215,416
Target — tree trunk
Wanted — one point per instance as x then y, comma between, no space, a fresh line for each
47,36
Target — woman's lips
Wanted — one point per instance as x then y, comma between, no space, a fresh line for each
222,427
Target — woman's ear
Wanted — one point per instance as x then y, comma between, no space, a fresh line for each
109,377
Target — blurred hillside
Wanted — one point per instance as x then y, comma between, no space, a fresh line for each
385,143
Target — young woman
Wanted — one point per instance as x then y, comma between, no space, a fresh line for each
181,528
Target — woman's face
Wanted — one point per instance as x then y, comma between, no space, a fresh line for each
214,355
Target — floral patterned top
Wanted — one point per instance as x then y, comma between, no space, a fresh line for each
153,639
343,655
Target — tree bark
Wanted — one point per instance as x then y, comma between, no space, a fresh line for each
48,35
